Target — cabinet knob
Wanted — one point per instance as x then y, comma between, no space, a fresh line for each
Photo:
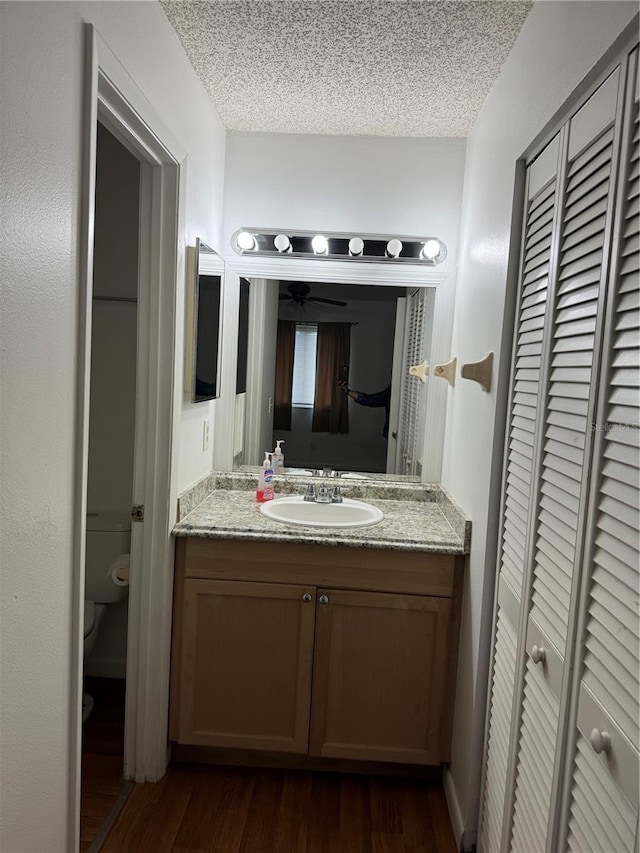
306,597
600,741
538,654
324,599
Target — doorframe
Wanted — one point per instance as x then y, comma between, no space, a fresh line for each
112,97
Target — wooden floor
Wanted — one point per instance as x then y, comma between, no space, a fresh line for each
198,808
102,753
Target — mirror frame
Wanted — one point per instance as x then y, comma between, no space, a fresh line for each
339,272
214,268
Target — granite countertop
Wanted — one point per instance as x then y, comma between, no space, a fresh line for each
422,519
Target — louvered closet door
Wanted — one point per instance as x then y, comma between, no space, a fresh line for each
519,466
603,809
412,395
577,309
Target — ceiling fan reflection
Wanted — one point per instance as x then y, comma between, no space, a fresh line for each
299,295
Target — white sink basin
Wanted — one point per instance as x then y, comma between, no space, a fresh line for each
295,510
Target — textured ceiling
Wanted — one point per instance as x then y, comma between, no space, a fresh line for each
379,67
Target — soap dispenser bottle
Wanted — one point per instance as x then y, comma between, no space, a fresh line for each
264,492
278,458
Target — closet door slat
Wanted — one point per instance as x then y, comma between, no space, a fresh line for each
571,373
539,245
603,802
601,819
535,766
528,343
500,699
614,599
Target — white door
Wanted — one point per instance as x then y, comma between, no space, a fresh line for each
602,801
568,226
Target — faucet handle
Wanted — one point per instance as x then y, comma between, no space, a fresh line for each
336,497
310,493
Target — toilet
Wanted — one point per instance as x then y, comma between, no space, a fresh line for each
108,537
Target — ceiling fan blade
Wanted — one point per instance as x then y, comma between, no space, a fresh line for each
328,301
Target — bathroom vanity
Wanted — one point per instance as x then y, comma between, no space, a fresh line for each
330,644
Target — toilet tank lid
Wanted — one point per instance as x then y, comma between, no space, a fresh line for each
100,520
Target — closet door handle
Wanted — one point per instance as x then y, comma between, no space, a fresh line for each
538,654
600,741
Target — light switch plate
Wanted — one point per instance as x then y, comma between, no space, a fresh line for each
206,429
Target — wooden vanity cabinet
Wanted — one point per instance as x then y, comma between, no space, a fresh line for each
334,652
379,676
246,664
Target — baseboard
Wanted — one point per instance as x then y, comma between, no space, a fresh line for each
191,754
455,814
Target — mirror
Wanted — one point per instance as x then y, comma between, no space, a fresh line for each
292,324
206,290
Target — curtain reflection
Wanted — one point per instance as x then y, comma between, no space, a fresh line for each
330,409
285,346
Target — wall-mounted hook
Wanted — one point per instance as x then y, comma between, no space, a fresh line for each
479,371
447,370
420,370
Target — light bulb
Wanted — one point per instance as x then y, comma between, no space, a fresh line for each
431,249
394,247
282,243
356,246
247,242
320,244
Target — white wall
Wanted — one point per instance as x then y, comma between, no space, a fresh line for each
41,93
558,45
375,185
365,184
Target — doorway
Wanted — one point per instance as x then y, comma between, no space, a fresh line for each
112,430
131,120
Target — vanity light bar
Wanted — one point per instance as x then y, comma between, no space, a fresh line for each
428,251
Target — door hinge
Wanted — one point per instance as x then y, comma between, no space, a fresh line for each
137,513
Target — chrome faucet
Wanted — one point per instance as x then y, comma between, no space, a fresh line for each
323,494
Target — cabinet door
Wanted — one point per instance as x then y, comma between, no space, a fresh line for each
379,676
246,665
